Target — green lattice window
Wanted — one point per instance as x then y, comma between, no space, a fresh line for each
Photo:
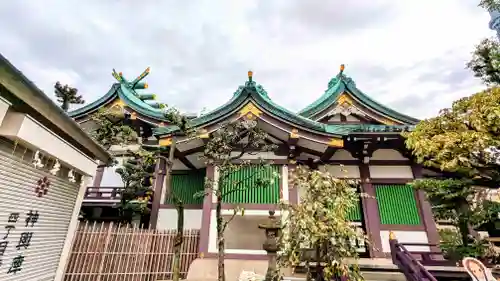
185,184
397,204
355,213
264,195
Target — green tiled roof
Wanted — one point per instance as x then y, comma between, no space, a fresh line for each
93,106
256,93
128,92
341,83
143,103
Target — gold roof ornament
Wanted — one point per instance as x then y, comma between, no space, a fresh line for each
336,142
250,75
165,142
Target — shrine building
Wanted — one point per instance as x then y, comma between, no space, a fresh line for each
344,132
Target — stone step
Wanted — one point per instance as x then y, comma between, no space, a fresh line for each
369,276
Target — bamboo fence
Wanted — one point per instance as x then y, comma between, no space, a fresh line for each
112,252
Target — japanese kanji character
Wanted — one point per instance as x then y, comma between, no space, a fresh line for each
16,265
3,247
13,217
24,240
8,228
32,218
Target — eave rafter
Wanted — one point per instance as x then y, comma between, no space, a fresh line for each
362,147
291,138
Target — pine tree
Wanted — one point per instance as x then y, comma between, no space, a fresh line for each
67,95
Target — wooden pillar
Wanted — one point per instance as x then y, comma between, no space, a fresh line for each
160,172
293,192
425,212
206,215
98,176
371,215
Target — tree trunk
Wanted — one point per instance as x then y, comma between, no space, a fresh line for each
319,269
179,238
180,214
220,240
65,105
463,223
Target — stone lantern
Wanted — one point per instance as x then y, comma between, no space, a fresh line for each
272,229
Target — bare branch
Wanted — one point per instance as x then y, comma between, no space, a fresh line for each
226,223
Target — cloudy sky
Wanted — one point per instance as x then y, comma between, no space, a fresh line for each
408,54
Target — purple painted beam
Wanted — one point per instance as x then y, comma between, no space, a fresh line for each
370,213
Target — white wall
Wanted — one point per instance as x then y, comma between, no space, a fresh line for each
167,219
342,171
387,154
268,155
252,219
384,172
4,107
342,154
21,127
405,237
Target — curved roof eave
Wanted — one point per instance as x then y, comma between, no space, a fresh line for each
95,105
380,107
328,98
343,83
257,93
138,105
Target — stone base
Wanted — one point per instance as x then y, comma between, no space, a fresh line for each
206,268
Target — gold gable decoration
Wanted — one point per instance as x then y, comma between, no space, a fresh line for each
388,122
335,142
250,111
344,99
165,142
117,107
203,134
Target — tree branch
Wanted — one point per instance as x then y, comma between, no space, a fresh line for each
226,223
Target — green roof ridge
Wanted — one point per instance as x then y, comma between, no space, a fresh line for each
127,91
340,83
108,97
335,87
257,93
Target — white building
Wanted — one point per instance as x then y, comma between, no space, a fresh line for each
46,162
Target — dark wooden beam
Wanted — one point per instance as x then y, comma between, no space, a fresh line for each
329,151
193,150
293,138
292,141
205,138
309,151
181,156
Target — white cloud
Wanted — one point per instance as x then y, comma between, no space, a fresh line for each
410,54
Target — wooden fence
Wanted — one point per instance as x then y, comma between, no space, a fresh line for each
112,252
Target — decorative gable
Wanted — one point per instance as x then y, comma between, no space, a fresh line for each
344,98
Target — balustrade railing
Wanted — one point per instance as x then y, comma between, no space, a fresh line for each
408,264
98,194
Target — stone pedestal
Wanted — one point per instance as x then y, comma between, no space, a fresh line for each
272,229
